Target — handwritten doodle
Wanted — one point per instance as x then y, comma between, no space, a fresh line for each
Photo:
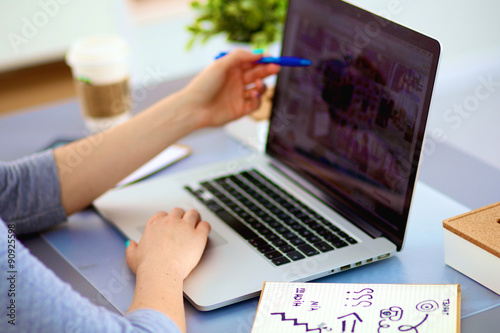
345,321
427,306
296,323
394,313
365,305
324,327
366,290
407,328
366,293
360,297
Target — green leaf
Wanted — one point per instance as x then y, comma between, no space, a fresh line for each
259,22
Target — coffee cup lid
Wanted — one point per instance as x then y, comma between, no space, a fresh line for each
98,50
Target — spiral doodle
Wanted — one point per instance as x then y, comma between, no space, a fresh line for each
427,306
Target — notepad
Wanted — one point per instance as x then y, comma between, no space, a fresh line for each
357,308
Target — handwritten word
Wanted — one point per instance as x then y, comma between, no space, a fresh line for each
314,306
446,307
299,293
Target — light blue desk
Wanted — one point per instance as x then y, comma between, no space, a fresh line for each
95,250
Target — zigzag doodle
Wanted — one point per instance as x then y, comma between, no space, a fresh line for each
295,323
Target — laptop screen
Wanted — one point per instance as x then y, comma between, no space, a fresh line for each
352,124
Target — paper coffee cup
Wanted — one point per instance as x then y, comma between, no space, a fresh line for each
100,68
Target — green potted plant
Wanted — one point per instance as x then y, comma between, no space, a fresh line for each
255,22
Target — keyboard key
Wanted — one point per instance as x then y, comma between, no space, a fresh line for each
256,242
271,236
286,248
281,230
320,230
295,255
308,250
257,225
340,244
273,255
297,241
313,239
342,234
236,225
297,227
264,231
351,240
334,228
305,233
329,237
274,224
214,206
265,248
280,261
289,235
279,242
323,246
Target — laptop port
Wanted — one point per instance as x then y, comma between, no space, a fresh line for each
359,263
369,260
343,268
383,256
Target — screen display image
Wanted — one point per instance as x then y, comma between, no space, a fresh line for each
352,123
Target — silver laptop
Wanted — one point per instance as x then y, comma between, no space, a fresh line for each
333,190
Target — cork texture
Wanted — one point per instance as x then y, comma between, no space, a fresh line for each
481,227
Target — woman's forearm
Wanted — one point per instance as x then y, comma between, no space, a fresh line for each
91,166
160,289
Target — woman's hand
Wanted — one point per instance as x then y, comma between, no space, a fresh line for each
174,241
229,88
170,247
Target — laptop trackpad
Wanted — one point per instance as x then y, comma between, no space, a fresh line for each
214,240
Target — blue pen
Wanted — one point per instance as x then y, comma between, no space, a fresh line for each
282,61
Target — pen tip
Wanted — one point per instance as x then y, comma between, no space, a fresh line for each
305,62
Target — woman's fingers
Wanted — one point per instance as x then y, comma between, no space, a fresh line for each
192,217
177,212
204,227
259,72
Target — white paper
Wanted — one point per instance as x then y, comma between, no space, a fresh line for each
357,308
170,155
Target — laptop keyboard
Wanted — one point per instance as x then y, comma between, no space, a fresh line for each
272,220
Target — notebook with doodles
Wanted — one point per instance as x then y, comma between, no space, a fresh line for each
332,307
334,188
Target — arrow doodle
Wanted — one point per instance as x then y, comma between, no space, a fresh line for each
295,323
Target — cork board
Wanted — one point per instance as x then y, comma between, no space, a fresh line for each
481,227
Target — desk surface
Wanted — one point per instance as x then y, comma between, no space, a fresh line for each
86,236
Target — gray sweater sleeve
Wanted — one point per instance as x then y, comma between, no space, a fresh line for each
30,194
34,299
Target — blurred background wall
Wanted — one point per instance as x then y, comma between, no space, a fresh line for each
37,33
